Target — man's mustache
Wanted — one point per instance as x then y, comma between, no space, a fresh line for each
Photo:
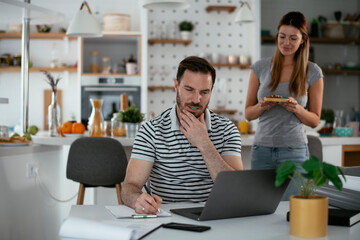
193,104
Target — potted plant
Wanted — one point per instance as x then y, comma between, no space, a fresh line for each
329,117
132,118
185,28
309,212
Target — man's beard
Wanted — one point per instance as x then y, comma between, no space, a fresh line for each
181,107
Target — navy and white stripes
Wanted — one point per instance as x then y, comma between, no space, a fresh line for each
179,173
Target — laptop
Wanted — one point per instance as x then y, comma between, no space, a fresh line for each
239,194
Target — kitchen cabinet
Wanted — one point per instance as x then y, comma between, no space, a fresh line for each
36,36
350,155
118,47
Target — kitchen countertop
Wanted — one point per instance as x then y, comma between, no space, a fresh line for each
43,138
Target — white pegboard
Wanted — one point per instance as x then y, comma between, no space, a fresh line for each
214,32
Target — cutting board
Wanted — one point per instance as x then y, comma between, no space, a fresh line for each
47,102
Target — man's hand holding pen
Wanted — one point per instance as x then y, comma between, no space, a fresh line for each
147,204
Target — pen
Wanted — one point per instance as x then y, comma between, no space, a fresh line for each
136,216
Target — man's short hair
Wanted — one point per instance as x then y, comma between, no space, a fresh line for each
195,64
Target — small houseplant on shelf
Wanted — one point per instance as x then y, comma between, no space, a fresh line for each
308,212
185,28
132,118
329,116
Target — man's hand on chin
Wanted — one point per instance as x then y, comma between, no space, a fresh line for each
194,129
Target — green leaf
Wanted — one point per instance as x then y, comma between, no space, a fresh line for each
331,173
284,170
341,172
132,115
320,179
312,164
309,175
280,180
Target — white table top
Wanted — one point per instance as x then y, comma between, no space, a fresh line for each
273,226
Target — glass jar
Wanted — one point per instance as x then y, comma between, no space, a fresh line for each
107,127
117,127
94,64
17,60
106,65
96,119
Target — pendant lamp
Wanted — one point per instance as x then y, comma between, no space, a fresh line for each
84,24
165,4
244,15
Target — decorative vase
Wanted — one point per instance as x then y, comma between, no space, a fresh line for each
96,119
131,129
185,35
54,116
308,216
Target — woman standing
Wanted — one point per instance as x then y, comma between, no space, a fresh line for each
280,135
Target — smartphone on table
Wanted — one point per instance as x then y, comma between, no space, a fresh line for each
186,227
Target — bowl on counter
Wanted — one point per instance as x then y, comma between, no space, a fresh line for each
343,131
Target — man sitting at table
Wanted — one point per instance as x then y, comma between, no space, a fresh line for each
184,148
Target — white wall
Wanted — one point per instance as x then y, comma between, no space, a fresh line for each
340,91
214,32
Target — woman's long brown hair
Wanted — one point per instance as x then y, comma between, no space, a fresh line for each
298,83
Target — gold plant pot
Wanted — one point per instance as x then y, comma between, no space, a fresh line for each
308,216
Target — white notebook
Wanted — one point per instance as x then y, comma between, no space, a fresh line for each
122,211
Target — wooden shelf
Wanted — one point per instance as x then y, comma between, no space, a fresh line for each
224,111
173,41
341,71
38,69
111,74
271,39
154,88
211,8
241,66
36,36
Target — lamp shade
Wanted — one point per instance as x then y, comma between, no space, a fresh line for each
165,4
244,15
84,24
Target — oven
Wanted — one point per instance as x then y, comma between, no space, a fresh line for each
109,89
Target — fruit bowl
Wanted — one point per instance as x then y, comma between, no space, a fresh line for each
74,135
343,131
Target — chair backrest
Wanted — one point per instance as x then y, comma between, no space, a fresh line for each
96,161
315,147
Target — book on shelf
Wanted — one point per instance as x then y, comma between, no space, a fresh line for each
339,217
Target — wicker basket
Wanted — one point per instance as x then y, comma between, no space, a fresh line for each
333,30
116,22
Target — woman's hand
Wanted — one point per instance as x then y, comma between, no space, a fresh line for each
291,106
266,105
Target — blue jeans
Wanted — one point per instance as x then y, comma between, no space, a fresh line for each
272,157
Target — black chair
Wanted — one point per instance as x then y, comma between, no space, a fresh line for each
96,162
315,147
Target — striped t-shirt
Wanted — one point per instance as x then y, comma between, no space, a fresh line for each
179,173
